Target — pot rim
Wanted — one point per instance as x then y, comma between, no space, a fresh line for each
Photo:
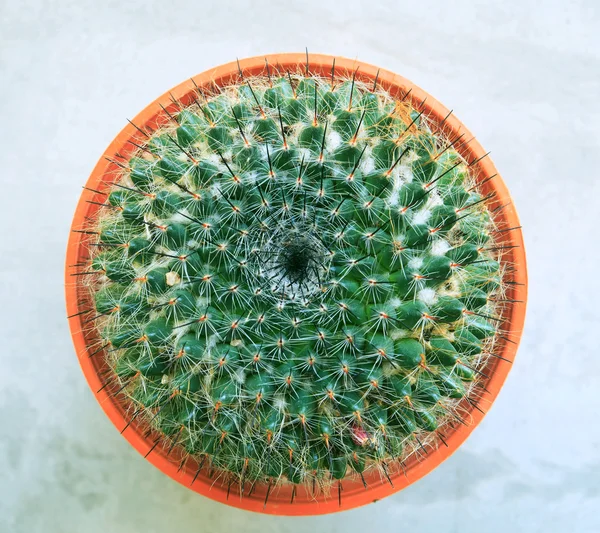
354,494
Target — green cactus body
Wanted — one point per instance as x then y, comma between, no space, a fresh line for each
294,279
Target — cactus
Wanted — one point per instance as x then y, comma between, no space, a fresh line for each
296,279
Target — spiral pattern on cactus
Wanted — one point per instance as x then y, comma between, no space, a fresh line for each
296,278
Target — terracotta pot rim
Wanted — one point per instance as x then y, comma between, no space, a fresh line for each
354,494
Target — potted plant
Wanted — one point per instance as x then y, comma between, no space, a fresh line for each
295,284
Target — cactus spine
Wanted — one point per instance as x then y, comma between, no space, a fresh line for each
297,280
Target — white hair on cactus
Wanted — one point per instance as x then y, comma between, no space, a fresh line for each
427,296
407,173
415,263
367,163
333,140
239,376
421,216
440,247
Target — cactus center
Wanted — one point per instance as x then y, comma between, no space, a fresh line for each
296,263
297,258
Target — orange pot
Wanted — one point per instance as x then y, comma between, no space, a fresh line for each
279,498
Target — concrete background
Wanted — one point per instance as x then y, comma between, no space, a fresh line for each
523,75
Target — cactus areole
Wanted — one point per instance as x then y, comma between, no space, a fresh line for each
295,285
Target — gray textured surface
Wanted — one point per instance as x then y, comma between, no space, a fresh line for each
523,77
